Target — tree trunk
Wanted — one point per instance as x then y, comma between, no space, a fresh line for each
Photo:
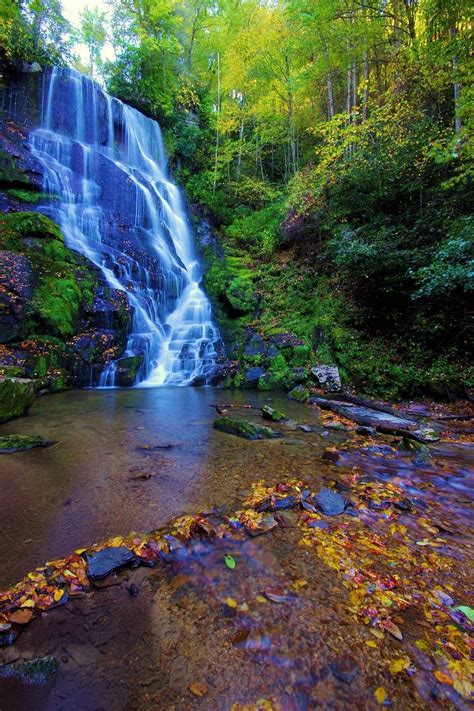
355,99
239,157
216,156
456,85
348,84
365,97
348,91
330,96
290,128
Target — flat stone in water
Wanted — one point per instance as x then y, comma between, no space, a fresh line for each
330,502
101,563
20,443
244,428
270,413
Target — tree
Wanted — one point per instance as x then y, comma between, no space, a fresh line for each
93,35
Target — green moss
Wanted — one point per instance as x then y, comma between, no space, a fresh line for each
269,413
63,279
20,443
9,172
29,196
16,398
244,428
299,393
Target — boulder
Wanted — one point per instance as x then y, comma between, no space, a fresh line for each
127,369
16,397
327,377
329,502
285,340
252,376
245,429
297,376
255,347
299,393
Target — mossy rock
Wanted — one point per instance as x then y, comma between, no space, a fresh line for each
16,397
245,429
10,173
20,443
62,281
29,196
271,381
127,370
270,413
300,394
240,295
297,376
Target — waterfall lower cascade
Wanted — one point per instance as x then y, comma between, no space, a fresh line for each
118,207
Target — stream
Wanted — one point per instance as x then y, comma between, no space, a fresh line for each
195,633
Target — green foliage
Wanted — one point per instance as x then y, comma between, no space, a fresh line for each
452,267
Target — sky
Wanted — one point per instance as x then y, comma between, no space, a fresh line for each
72,10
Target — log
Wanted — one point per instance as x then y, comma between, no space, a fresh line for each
396,425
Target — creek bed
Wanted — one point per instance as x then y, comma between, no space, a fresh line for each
197,634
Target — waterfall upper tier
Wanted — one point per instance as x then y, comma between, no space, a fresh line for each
116,204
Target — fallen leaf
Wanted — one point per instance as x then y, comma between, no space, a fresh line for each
443,678
198,689
466,610
399,665
380,695
21,617
230,562
371,643
230,602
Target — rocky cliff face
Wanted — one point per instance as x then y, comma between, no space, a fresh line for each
60,323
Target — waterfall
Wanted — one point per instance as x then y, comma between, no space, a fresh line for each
117,205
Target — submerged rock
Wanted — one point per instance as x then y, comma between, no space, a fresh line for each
269,413
327,377
31,671
300,394
244,428
101,563
329,502
19,443
16,397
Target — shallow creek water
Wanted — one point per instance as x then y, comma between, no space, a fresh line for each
177,642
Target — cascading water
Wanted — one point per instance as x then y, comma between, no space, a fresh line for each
118,207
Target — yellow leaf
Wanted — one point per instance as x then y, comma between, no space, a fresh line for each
58,594
198,689
231,602
443,678
377,633
260,598
380,695
371,643
399,665
421,644
28,603
80,550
